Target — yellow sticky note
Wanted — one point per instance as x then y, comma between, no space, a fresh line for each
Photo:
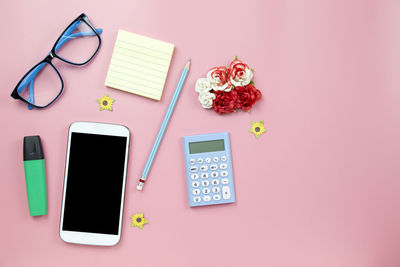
139,65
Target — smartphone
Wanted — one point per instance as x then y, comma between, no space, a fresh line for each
94,183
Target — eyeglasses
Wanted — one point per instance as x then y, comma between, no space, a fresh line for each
43,84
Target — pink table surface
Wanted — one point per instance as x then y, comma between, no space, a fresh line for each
320,188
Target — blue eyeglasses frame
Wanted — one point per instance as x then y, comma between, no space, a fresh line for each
67,35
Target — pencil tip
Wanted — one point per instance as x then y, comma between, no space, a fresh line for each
188,63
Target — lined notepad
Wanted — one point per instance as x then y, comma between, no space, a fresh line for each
139,65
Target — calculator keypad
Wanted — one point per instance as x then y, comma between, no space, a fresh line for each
203,168
225,181
217,197
207,198
196,191
197,199
214,183
194,169
226,192
205,183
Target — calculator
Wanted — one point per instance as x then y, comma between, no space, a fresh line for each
209,169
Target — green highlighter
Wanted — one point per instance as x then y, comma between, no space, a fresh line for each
35,175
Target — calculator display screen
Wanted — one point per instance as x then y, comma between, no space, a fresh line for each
206,146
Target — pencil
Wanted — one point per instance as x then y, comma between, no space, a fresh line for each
164,125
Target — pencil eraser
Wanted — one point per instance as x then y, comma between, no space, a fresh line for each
140,186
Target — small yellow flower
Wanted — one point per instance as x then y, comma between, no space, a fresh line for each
257,128
106,103
138,220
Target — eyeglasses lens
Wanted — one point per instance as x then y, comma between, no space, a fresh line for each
78,43
41,85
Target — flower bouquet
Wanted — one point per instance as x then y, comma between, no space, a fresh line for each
227,89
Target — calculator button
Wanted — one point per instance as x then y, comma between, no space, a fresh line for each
223,158
216,189
208,160
203,168
192,161
207,198
214,182
206,191
194,176
225,181
215,159
224,173
196,199
226,192
213,167
216,197
204,175
194,169
205,183
214,174
195,184
223,166
199,160
196,191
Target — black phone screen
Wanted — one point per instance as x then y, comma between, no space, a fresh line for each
94,183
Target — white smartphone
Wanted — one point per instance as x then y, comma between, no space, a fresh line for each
94,183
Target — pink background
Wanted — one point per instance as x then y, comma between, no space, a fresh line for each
320,188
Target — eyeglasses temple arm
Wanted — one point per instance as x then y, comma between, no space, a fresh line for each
68,36
31,97
29,79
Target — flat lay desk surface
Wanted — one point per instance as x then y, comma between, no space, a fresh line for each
320,188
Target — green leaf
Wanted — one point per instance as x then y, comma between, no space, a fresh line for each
252,69
251,82
236,58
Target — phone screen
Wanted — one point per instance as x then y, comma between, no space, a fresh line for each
94,183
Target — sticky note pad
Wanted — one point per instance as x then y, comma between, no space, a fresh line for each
139,65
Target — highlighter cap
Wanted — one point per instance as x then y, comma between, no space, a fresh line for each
33,148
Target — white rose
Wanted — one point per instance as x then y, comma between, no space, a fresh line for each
203,85
206,99
244,79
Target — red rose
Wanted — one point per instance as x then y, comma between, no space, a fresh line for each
224,102
247,96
